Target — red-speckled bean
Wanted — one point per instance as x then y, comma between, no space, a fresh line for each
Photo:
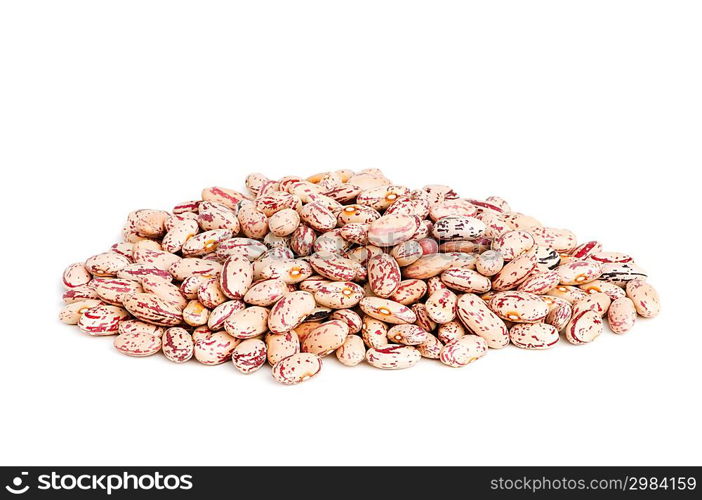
290,311
518,307
534,335
247,323
177,345
102,320
297,368
389,230
644,297
584,328
462,352
393,357
383,275
475,314
137,344
352,351
387,310
621,315
326,338
153,309
249,355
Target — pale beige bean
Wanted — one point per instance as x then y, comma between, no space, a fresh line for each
210,294
284,222
334,267
253,223
584,328
475,314
615,292
177,345
318,217
185,268
224,196
389,230
84,292
562,240
247,323
280,346
272,202
518,307
217,216
621,315
138,271
176,237
408,334
374,332
450,331
430,348
219,314
195,313
465,280
352,351
326,338
106,264
570,293
423,320
393,357
644,297
383,275
71,313
291,271
290,311
429,265
441,306
351,318
137,344
136,326
113,290
305,328
213,348
489,263
339,294
102,320
407,252
249,355
578,272
514,272
409,291
205,243
463,351
598,302
297,368
534,335
236,277
513,243
540,282
387,310
163,288
153,309
244,247
560,312
266,293
76,275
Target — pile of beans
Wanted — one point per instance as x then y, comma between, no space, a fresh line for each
348,263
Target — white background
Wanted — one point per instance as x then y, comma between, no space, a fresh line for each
583,114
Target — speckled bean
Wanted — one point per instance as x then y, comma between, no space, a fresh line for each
290,311
462,352
644,297
534,335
